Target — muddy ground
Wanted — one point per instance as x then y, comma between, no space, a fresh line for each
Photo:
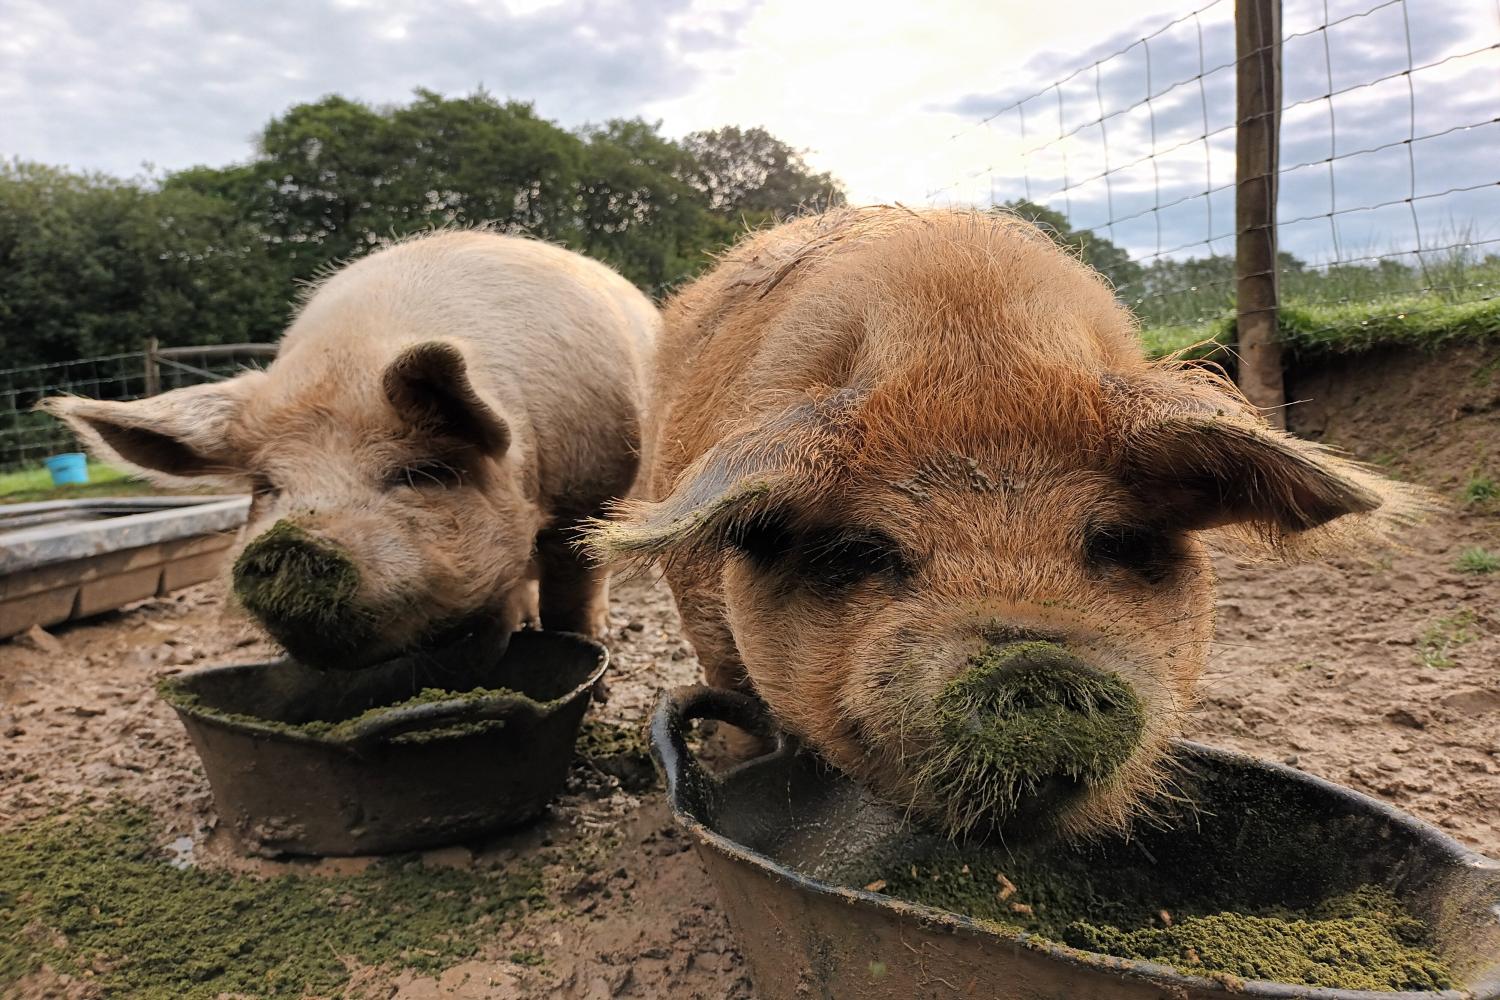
1378,672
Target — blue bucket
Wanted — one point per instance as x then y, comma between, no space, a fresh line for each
68,469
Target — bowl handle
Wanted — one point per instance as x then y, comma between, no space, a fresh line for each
433,715
679,708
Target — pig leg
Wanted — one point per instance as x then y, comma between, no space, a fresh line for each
523,601
574,590
705,622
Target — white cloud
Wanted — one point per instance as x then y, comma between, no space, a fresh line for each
876,91
104,85
861,84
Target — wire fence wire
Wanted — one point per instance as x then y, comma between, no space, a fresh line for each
1389,176
27,436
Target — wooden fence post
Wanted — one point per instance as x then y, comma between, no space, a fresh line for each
153,367
1257,155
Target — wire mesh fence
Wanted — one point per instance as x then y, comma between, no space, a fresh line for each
1388,186
27,437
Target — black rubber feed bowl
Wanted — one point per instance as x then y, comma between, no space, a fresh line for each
410,777
784,836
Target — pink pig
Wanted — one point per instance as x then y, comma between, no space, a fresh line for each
440,417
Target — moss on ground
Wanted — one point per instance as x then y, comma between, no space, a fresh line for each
618,750
1361,939
94,896
1024,714
598,738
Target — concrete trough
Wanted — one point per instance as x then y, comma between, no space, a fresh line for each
61,560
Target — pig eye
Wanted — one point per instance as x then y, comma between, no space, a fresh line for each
1140,549
766,541
262,488
838,558
828,559
431,474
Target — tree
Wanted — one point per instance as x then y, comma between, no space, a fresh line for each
1099,253
475,160
95,265
752,174
336,177
316,184
637,212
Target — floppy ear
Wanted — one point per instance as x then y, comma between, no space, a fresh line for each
740,478
429,386
1210,472
1210,462
182,434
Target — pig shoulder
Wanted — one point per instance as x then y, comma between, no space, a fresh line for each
571,344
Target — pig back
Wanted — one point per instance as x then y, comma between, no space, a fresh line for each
562,343
575,353
876,297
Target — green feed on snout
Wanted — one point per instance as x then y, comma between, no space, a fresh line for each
1025,714
287,575
1361,939
94,896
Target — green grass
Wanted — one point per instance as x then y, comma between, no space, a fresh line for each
32,480
1310,331
1444,636
1478,561
1341,309
1480,490
28,485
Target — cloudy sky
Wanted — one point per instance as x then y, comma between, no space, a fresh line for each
892,97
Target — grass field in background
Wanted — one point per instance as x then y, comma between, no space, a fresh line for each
28,485
1340,310
1310,331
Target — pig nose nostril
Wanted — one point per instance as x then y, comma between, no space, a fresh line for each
1004,635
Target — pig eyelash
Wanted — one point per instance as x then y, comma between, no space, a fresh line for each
430,474
837,558
1145,551
764,538
263,489
828,559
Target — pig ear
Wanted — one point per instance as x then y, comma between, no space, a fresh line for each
1226,470
429,385
739,479
182,434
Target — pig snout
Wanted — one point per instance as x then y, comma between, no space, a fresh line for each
1027,727
302,590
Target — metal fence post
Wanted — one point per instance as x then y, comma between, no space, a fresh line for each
153,367
1257,155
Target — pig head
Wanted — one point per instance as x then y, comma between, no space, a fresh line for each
386,501
921,492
